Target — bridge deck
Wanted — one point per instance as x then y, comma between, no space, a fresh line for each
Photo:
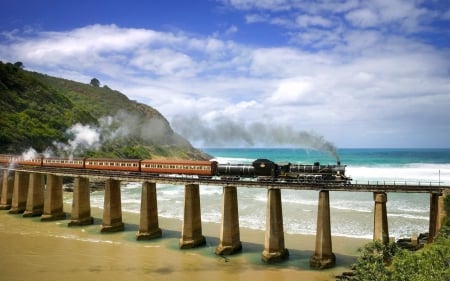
372,186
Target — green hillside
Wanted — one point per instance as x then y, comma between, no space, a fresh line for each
53,114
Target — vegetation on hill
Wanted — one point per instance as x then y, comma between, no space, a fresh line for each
66,117
378,262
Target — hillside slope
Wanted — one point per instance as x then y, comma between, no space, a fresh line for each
66,117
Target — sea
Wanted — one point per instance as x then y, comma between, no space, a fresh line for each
351,212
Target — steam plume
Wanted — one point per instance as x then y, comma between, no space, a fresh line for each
225,132
121,126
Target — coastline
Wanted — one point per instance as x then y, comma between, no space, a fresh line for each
31,249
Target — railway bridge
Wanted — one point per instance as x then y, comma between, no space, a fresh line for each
37,191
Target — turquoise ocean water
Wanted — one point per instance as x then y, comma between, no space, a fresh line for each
351,212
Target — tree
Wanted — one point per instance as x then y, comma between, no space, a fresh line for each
19,64
95,82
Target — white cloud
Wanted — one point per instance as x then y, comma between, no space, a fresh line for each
401,13
164,62
231,30
298,91
260,4
254,18
363,18
307,20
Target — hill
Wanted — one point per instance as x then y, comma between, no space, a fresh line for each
60,116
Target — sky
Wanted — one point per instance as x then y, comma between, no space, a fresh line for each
355,73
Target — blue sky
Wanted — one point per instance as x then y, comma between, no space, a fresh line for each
359,73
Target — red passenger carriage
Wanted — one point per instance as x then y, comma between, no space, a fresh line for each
132,165
184,167
21,160
77,163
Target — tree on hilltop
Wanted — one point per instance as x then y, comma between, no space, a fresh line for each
19,64
95,82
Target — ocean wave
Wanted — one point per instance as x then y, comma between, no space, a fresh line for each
416,172
233,160
409,216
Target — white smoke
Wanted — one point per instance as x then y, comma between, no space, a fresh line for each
110,128
81,137
125,124
29,154
84,136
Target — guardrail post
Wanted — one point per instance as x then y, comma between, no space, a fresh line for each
191,233
230,241
274,249
380,222
53,199
35,200
323,256
148,226
20,191
112,212
81,203
7,190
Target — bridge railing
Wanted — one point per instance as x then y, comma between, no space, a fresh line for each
398,182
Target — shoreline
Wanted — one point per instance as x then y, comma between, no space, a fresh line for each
31,249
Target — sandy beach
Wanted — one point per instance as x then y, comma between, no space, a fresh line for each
35,250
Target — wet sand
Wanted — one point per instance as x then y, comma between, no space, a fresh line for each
35,250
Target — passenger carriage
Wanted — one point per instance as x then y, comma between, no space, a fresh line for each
184,167
132,165
77,163
21,160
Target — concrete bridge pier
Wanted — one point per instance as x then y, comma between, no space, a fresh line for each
148,226
437,214
53,199
112,213
191,233
380,222
35,199
274,249
7,190
20,191
81,203
230,241
323,256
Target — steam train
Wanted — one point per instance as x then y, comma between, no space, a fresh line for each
260,169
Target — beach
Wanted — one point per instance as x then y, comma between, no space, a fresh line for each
35,250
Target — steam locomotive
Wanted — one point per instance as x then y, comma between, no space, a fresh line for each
267,170
260,169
